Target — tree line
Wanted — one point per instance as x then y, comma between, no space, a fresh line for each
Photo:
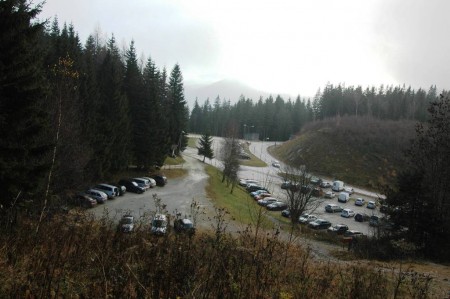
279,119
72,114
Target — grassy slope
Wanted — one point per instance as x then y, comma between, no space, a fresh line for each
363,152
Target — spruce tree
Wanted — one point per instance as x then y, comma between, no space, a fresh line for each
205,148
23,120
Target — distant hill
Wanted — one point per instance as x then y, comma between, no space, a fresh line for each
360,151
225,89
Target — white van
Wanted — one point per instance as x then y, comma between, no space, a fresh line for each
110,190
338,186
159,224
343,197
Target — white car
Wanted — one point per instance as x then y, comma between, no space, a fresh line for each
329,194
276,164
349,190
152,181
360,201
325,184
307,218
347,213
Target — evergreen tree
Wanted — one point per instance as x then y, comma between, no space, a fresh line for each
205,148
421,205
23,120
135,91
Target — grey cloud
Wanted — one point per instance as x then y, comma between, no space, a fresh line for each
414,39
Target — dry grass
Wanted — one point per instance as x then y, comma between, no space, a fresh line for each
77,256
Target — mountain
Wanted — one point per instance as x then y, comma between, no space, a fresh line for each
224,89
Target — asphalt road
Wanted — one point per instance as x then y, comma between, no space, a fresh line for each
179,193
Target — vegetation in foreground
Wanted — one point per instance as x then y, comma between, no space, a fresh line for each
362,151
77,256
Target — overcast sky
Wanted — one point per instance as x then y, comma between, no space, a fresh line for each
284,46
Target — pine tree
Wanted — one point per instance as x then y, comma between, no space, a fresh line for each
23,120
205,148
178,112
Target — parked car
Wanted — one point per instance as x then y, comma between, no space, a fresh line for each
161,180
325,184
371,205
122,189
151,180
343,197
360,201
338,186
245,182
277,206
286,213
84,201
262,196
144,183
132,186
352,233
276,164
184,226
319,224
159,224
338,229
306,218
315,180
111,191
254,187
286,185
126,224
361,217
349,190
258,192
98,195
347,213
329,194
266,201
333,208
374,221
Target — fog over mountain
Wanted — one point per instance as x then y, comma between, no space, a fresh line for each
225,89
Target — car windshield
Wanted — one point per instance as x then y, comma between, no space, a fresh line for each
188,225
159,223
127,220
134,184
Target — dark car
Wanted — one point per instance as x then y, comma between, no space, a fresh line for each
352,233
319,224
84,201
338,229
126,224
277,206
161,180
286,213
184,226
254,187
362,217
131,186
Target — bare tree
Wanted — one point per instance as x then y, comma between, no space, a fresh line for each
230,155
301,195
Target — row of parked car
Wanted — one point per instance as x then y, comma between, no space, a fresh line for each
262,195
159,225
100,193
317,223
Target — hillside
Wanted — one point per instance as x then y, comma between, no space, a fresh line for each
361,151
